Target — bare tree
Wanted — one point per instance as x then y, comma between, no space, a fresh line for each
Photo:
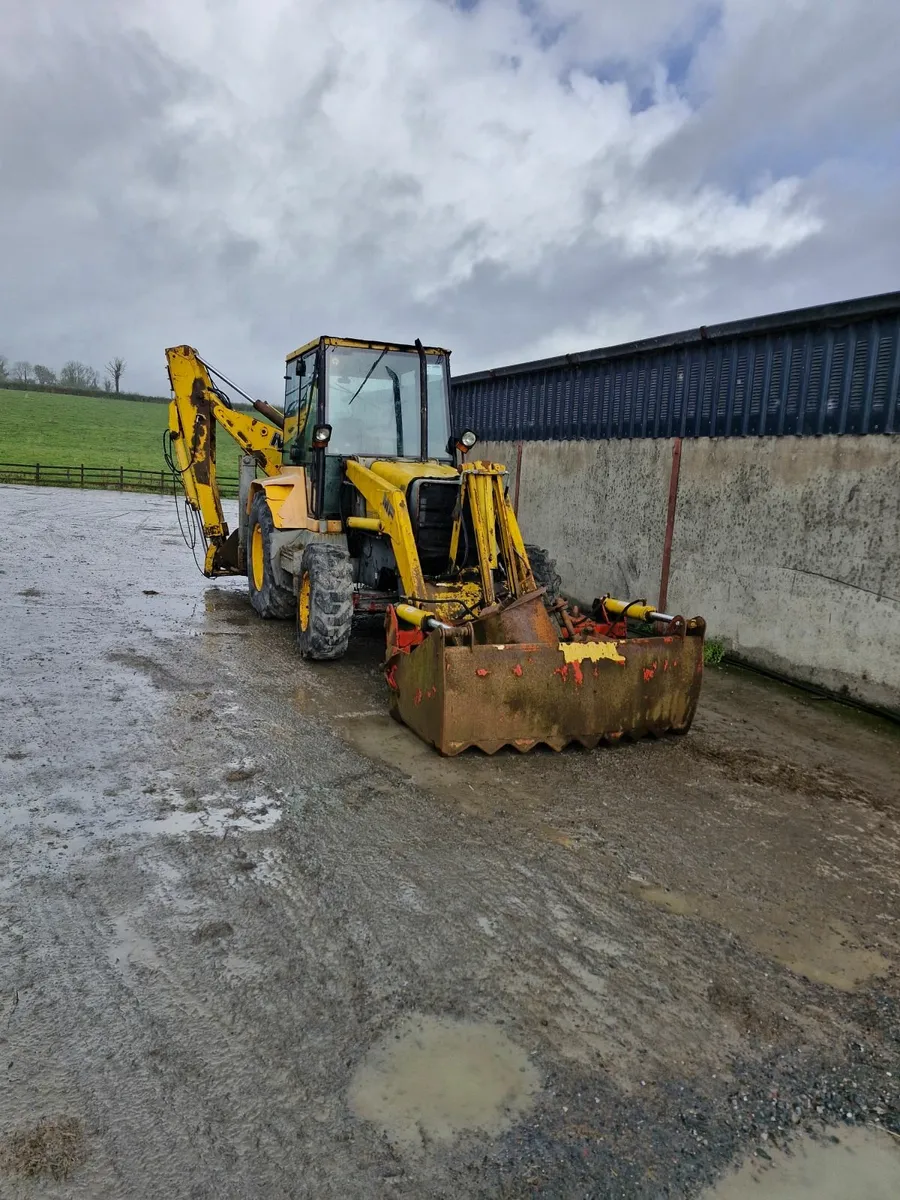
22,370
77,374
115,369
107,385
4,367
44,375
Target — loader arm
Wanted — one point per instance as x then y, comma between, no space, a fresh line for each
195,409
483,498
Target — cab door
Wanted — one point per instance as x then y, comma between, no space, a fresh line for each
301,397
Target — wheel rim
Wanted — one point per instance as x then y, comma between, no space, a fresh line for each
303,601
257,557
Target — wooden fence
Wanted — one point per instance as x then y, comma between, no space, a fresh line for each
116,479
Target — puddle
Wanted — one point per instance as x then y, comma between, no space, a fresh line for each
270,869
680,903
130,948
433,1078
475,783
821,953
240,970
252,816
411,897
863,1164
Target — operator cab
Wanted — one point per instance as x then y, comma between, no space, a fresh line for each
353,399
364,400
369,393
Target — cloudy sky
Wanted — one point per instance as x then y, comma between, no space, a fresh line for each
509,178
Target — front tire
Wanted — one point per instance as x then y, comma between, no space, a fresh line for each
543,568
324,602
268,595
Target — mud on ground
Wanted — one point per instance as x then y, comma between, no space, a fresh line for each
258,941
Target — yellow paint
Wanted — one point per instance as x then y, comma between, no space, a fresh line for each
593,651
303,602
294,509
389,502
286,496
637,611
315,525
411,614
257,556
194,412
449,596
496,527
370,524
402,474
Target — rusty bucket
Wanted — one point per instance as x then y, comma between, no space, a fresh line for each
460,693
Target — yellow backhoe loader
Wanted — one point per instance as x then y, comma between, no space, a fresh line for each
358,498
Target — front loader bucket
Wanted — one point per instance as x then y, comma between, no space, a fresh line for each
459,695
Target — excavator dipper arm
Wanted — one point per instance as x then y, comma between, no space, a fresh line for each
197,406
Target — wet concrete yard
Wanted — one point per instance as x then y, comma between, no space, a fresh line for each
258,941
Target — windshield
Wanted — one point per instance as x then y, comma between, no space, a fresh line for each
372,403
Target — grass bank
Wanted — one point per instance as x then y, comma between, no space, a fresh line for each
41,427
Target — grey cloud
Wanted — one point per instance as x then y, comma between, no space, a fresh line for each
129,220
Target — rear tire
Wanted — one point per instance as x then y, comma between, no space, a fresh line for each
543,568
268,595
324,602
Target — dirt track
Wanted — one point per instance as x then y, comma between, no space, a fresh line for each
257,941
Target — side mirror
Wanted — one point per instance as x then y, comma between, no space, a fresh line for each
300,368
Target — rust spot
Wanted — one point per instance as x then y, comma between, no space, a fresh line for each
432,691
563,672
668,640
578,673
648,674
517,670
481,671
417,699
666,665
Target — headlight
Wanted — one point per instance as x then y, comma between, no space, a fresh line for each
468,439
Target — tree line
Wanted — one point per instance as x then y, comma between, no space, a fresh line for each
72,374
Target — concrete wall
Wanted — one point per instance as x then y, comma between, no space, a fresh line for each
596,509
790,547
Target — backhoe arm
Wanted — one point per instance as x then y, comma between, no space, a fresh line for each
195,409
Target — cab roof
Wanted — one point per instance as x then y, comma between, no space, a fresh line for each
363,345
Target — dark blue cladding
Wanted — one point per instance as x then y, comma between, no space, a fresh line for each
830,369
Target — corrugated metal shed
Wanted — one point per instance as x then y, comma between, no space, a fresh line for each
834,368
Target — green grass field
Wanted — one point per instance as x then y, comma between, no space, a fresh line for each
37,427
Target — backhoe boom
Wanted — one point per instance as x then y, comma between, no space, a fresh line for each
196,407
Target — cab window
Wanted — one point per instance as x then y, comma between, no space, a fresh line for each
300,395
